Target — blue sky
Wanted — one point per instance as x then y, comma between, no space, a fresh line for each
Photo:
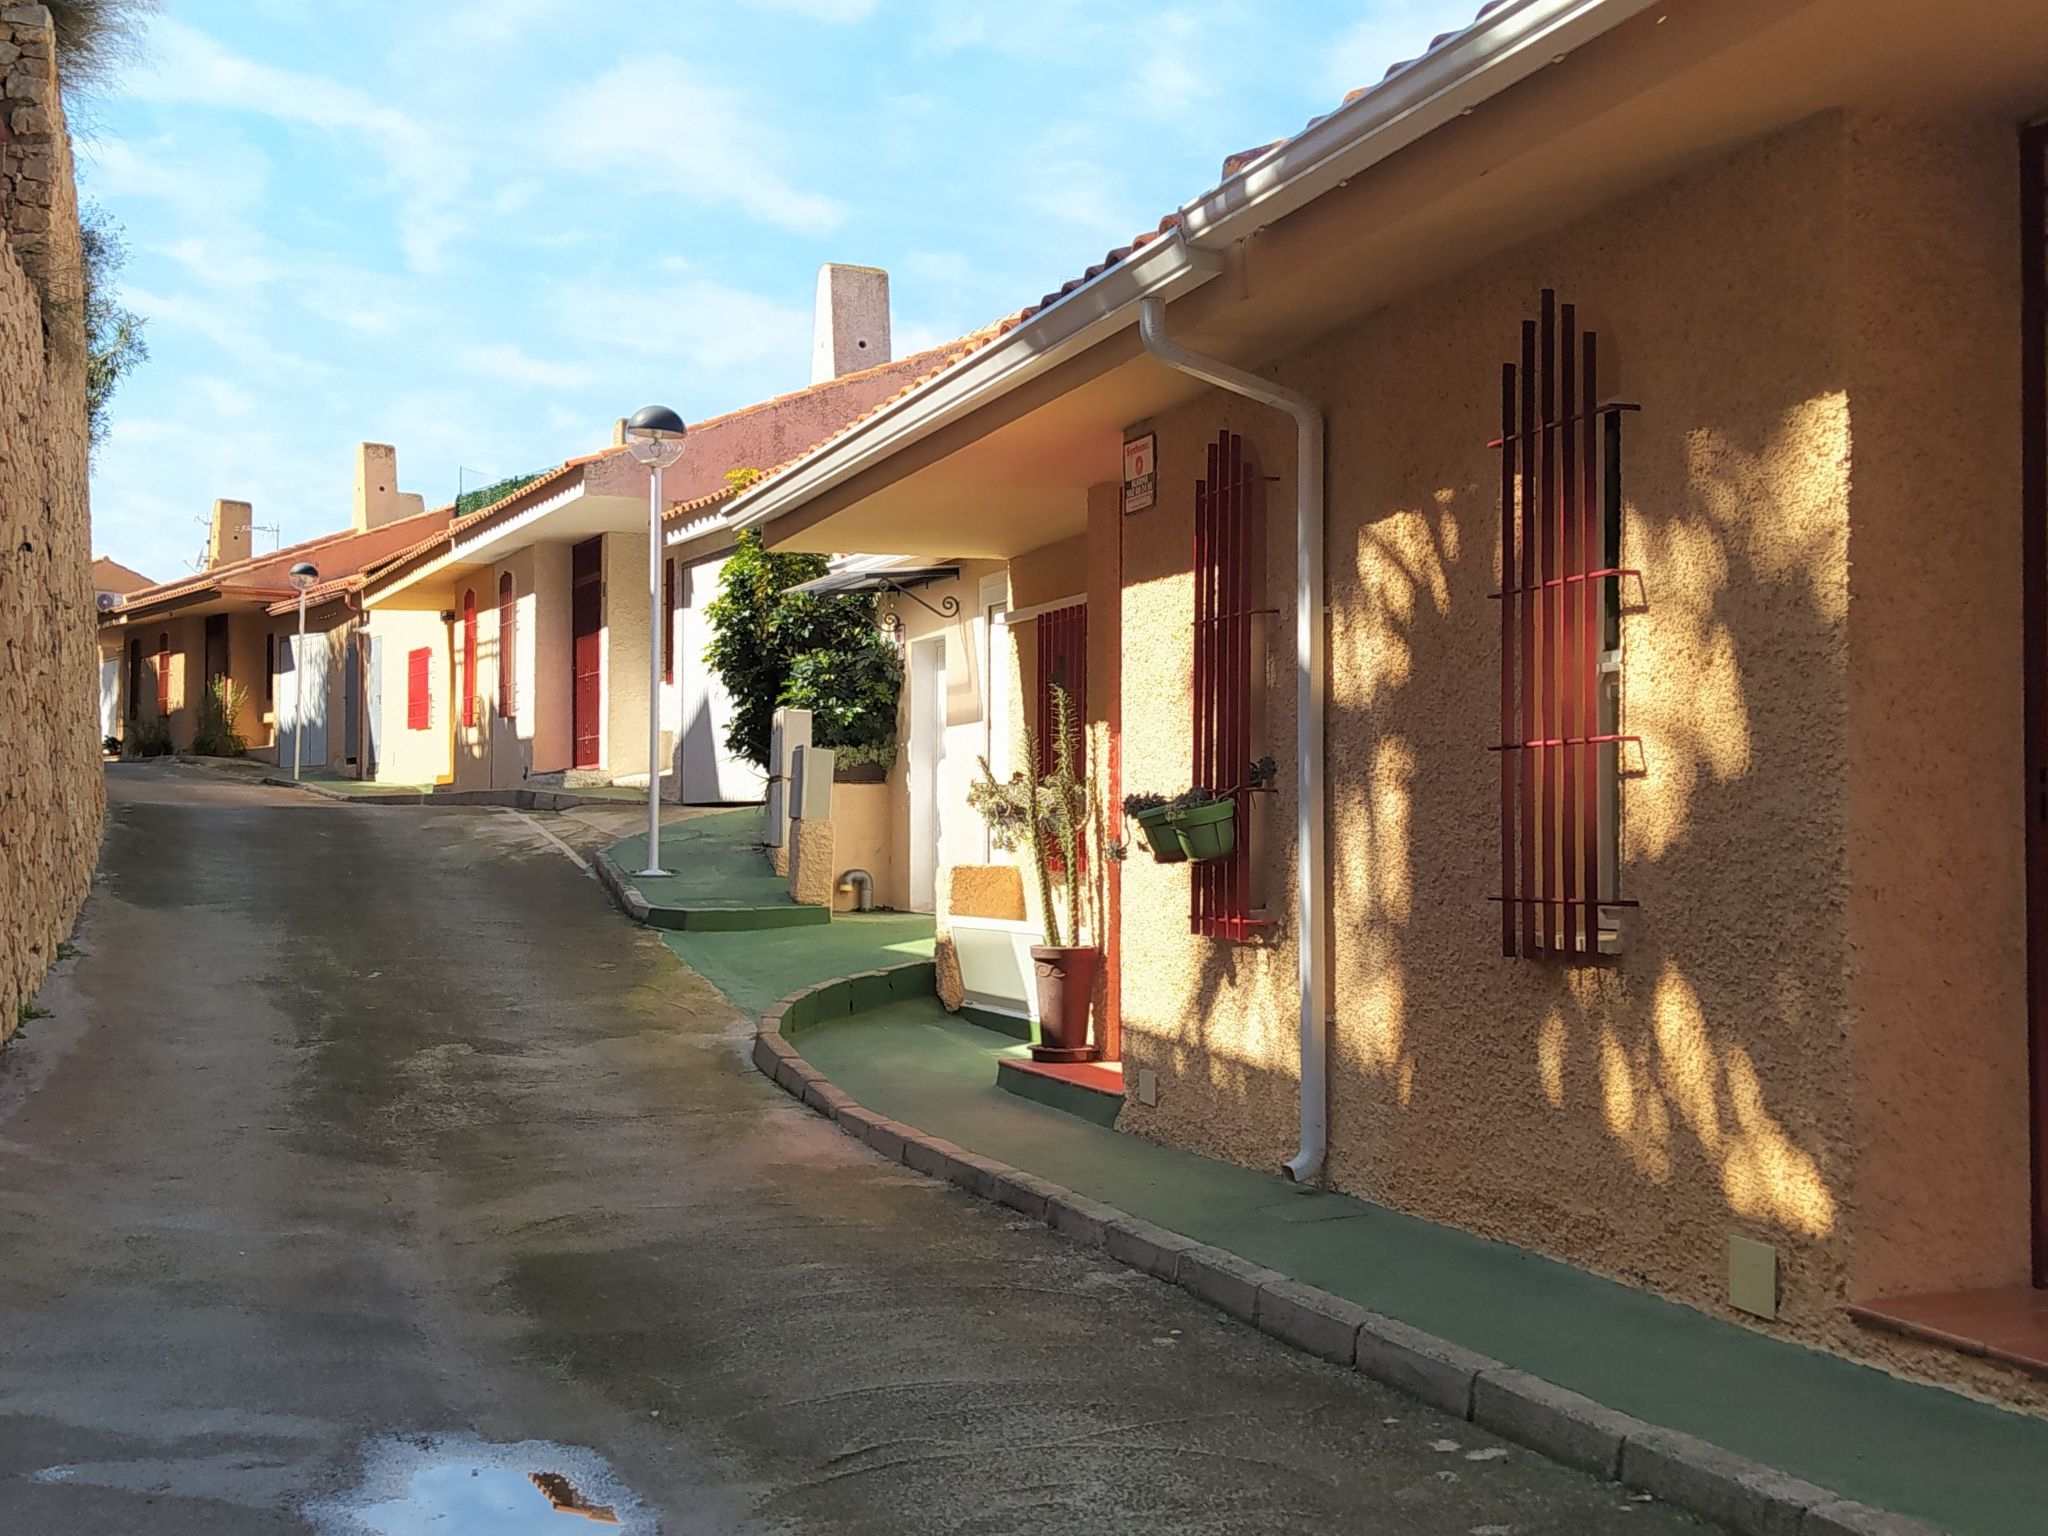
484,229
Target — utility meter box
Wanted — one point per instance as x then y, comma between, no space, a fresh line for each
811,784
790,732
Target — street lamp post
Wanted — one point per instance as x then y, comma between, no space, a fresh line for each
654,436
302,576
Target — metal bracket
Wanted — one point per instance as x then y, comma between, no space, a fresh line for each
948,606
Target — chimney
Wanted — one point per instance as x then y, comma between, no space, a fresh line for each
228,539
378,498
853,321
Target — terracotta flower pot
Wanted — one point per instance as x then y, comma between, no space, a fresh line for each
1066,989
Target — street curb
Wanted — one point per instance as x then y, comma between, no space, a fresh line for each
512,799
624,891
1688,1473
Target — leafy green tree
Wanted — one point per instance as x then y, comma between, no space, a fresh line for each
772,647
113,335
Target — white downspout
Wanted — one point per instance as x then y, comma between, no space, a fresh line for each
1308,745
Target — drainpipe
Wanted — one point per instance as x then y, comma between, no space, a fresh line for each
1308,671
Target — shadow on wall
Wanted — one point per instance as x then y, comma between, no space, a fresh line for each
1590,1109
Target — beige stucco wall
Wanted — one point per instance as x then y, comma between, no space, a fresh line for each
863,837
1936,838
624,750
407,756
49,751
1822,982
552,680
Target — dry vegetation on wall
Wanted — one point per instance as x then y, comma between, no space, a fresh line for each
52,794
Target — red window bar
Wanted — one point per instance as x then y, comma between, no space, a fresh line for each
469,656
1227,527
1554,503
508,647
1063,663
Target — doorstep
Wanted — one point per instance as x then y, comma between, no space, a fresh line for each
2007,1324
1094,1090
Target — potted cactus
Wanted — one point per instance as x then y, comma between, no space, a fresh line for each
1046,817
1151,813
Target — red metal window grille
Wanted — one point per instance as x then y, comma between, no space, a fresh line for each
1062,663
508,647
469,656
270,666
163,674
1560,534
419,708
668,621
1229,600
134,676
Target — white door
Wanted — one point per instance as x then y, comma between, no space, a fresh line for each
927,767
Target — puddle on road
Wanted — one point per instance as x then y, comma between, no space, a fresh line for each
458,1485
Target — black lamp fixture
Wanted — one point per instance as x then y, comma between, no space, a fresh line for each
654,436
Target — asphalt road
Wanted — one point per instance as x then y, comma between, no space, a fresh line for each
369,1162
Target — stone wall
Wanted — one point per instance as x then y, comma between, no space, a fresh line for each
52,793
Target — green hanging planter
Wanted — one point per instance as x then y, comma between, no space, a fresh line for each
1207,831
1156,829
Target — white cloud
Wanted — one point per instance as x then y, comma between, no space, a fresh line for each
664,133
503,360
1395,31
693,325
430,170
833,12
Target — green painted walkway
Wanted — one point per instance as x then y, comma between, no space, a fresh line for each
758,968
717,862
1961,1465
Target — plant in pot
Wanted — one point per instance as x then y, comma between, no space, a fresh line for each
1205,820
1045,816
1150,812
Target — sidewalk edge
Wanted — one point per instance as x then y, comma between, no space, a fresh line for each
1691,1474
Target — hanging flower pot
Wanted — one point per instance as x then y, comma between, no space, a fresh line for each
1207,831
1156,829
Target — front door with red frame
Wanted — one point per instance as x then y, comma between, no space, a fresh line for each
2034,561
586,646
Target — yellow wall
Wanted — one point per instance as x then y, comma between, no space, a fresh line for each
1825,978
408,756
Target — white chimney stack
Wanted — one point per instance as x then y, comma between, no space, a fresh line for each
853,321
378,498
228,540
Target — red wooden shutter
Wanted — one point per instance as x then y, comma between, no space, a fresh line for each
163,674
419,709
668,621
508,647
1560,463
1226,607
469,656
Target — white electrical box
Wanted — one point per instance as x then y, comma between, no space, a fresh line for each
791,731
811,784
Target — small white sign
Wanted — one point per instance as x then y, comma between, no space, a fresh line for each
1139,475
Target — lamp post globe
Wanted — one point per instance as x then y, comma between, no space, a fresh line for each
654,436
302,576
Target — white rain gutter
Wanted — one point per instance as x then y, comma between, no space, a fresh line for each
1308,716
1520,39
